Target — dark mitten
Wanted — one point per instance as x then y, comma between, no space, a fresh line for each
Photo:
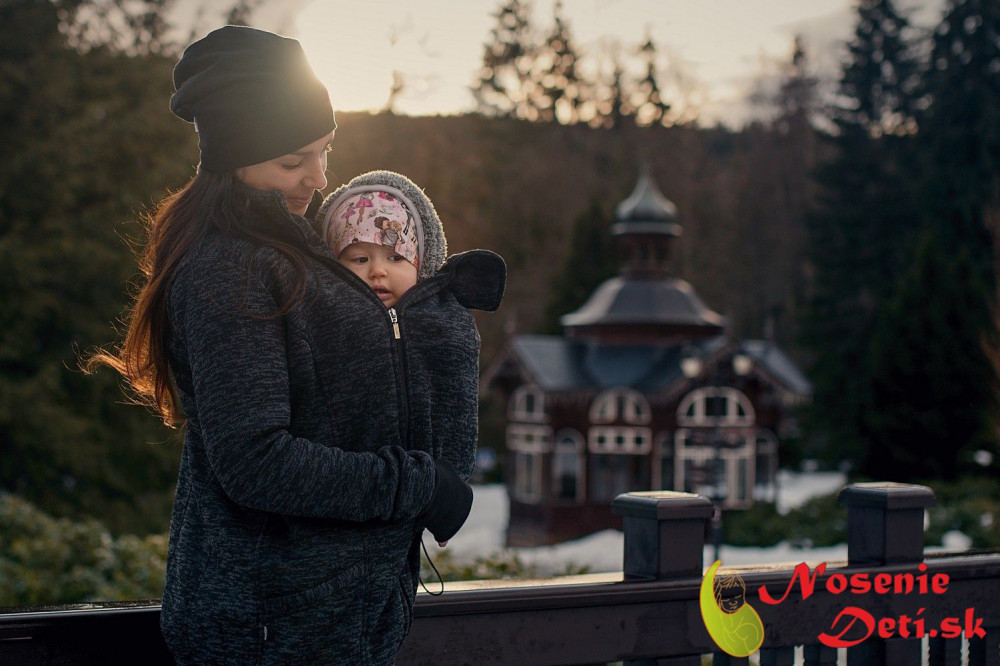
450,503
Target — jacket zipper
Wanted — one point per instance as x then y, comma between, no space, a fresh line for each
394,318
402,379
401,373
359,285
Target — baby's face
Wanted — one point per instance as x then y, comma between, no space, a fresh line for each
387,273
730,594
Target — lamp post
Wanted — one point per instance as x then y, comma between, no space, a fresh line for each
692,366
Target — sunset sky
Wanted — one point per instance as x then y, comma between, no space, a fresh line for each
724,45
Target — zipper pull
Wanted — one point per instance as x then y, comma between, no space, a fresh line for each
395,323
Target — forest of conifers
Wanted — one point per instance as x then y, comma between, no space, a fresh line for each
858,232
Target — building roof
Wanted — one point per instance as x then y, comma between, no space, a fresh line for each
556,363
550,361
565,364
777,363
658,302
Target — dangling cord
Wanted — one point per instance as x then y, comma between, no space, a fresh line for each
436,572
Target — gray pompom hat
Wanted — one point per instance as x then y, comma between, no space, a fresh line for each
431,241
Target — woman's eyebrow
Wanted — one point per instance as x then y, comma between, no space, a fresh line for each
306,153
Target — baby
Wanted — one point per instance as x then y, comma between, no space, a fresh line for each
375,230
384,229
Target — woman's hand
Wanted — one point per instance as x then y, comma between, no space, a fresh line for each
449,504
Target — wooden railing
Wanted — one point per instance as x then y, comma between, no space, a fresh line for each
649,613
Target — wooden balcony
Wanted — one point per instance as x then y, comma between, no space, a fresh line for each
648,614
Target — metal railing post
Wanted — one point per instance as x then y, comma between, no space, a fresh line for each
664,538
885,525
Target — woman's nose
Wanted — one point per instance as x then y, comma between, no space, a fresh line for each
316,173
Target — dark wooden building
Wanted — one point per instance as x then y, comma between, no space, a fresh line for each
643,391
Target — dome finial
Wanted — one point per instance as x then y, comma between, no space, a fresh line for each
646,203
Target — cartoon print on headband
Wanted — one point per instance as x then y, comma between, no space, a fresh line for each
388,233
364,201
381,218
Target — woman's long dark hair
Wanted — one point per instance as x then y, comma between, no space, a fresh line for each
180,222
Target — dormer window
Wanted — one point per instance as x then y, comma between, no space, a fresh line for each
527,404
621,406
715,406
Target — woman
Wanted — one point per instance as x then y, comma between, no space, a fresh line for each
297,509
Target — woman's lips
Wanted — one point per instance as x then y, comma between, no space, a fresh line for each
299,202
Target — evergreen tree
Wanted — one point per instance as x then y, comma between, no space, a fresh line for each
241,11
610,105
959,192
560,88
591,261
135,27
961,130
796,100
650,107
88,140
933,389
772,200
856,239
504,84
879,86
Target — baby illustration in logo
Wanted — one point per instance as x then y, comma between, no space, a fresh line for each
731,622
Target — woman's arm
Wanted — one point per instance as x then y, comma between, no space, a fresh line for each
237,355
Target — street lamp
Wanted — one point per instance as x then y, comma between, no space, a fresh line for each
692,366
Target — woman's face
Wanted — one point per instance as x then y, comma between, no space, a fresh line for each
297,175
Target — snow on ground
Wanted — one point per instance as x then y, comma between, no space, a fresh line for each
795,489
484,533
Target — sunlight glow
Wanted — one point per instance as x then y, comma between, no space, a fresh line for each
354,47
723,46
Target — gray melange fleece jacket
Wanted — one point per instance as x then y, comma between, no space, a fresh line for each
310,447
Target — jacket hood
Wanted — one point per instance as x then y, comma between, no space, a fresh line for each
431,241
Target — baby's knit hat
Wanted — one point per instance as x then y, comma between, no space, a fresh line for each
354,212
251,96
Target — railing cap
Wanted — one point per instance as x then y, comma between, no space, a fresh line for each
887,495
662,505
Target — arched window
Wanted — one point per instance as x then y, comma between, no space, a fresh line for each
567,466
527,403
621,405
527,445
722,470
715,406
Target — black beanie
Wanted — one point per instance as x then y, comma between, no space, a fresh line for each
251,95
